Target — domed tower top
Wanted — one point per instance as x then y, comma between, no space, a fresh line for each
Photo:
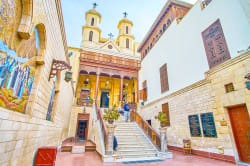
93,17
125,25
125,38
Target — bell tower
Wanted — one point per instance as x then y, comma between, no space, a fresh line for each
125,39
91,32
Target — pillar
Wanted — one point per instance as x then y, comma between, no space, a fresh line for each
110,139
163,135
121,89
138,95
96,86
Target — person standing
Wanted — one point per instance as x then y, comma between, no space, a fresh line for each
126,111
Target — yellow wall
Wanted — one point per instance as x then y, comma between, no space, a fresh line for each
114,86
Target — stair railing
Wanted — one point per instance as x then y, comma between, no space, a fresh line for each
102,123
148,130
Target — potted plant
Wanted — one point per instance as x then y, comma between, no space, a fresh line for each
111,114
135,105
162,119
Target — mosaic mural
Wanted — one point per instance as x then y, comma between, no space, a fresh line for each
17,58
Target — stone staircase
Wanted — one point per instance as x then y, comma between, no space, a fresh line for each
132,143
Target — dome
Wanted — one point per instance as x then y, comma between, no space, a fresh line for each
124,20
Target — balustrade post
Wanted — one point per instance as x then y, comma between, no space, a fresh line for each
163,135
110,139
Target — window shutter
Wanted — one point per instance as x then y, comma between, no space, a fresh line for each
164,78
165,110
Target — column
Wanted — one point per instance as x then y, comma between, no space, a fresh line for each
121,89
138,92
110,139
163,135
96,86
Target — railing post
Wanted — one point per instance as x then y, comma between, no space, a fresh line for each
110,139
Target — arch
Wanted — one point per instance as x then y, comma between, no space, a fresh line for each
126,29
127,43
90,35
41,31
26,19
92,21
42,39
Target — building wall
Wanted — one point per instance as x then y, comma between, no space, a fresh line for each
181,46
207,95
22,133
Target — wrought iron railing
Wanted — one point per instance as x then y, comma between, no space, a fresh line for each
148,130
102,123
84,102
110,60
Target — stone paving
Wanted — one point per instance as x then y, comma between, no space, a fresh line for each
179,159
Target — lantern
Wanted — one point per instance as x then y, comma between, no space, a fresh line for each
68,76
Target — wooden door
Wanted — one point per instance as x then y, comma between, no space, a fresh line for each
81,131
165,110
240,123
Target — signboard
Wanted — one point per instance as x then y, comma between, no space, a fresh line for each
194,125
208,125
215,44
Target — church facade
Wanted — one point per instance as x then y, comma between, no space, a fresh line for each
211,41
105,70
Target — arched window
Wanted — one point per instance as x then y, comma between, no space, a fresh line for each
127,43
150,45
92,21
164,27
126,29
148,48
160,32
90,35
146,51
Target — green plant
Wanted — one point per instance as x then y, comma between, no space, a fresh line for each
162,118
111,114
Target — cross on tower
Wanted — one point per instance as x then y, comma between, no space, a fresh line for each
125,14
94,5
110,35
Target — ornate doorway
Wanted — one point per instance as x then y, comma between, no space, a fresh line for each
240,123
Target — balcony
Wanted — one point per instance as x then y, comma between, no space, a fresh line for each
110,60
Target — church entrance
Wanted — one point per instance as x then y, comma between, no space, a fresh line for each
104,100
240,123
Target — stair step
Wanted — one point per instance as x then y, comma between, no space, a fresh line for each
135,150
128,155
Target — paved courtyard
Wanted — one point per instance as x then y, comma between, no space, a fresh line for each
93,159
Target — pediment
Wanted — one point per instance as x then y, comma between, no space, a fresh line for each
111,46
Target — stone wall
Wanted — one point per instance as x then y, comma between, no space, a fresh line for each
22,133
207,95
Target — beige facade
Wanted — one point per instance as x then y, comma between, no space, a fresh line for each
21,134
207,95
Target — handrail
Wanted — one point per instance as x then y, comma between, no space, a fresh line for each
148,130
102,123
111,60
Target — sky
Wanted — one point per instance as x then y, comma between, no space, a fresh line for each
141,12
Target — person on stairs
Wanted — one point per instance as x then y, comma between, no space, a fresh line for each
126,111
